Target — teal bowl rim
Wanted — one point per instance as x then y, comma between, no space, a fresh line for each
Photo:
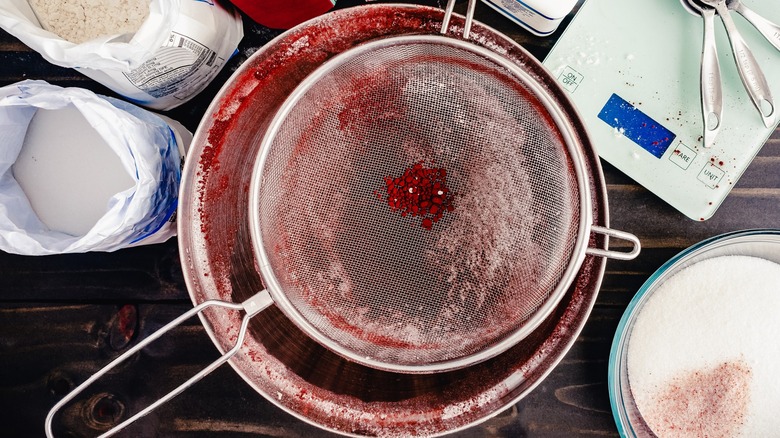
613,372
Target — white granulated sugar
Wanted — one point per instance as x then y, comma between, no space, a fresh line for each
231,107
298,45
490,42
78,21
477,403
703,357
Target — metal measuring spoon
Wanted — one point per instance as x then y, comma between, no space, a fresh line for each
749,71
768,29
711,91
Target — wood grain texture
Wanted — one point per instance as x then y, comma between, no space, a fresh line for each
62,317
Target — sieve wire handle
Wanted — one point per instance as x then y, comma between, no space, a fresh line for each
617,255
251,307
445,24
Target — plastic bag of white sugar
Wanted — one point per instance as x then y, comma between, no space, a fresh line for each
156,53
81,172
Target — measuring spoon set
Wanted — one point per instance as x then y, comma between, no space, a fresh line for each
749,70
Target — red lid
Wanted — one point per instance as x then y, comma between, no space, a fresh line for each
283,14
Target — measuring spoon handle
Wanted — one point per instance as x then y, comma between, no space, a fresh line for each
711,90
749,70
768,29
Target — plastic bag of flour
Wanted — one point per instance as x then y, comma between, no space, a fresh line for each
177,49
82,172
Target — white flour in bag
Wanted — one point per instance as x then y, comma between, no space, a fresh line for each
78,21
175,49
68,171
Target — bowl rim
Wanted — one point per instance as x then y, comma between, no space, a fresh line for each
615,365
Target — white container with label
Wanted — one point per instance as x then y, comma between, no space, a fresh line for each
540,17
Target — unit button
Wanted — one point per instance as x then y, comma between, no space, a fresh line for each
711,175
682,156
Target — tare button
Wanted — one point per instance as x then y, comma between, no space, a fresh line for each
682,156
711,175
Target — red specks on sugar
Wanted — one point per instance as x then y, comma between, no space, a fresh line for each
708,402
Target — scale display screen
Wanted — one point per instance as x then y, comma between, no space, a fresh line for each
637,126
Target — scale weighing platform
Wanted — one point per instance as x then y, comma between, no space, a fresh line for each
632,69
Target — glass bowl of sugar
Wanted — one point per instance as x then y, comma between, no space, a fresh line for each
697,351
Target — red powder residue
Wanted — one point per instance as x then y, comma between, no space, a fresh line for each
421,191
709,403
367,102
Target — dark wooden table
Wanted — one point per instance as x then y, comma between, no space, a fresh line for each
62,317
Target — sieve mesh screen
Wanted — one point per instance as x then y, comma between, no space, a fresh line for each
377,283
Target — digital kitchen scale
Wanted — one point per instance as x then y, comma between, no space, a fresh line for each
632,69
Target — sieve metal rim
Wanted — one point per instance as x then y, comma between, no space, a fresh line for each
566,130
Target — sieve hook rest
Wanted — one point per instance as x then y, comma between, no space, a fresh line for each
251,307
617,255
445,24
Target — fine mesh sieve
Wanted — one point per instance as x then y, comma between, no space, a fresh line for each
376,286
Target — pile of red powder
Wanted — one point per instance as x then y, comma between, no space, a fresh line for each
420,192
